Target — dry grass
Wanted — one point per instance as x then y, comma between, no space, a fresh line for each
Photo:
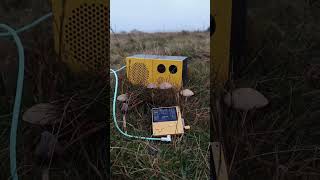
81,129
280,141
186,156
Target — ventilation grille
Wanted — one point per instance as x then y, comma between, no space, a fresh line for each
138,73
86,36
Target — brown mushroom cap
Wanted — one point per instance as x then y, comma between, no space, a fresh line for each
165,85
186,93
245,99
122,97
152,86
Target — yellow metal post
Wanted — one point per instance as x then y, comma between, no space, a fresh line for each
221,14
220,25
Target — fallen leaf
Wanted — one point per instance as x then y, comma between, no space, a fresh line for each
41,114
245,99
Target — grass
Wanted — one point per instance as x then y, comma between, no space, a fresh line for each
280,141
80,103
187,156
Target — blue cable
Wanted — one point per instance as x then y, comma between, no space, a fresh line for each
34,23
17,102
120,69
19,90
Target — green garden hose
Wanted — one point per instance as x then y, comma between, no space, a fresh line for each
29,26
16,109
17,102
166,139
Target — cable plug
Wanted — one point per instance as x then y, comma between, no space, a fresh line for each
166,139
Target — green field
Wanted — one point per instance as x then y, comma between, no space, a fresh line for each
186,157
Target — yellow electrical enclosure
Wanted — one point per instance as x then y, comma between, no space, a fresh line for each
81,33
145,69
221,15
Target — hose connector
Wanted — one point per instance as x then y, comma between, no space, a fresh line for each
166,139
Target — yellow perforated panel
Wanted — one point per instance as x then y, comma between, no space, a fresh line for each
84,42
139,73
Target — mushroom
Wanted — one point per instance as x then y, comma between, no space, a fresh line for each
245,99
124,107
122,97
165,85
152,86
186,93
41,114
124,110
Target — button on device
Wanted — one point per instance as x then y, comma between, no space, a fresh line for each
161,68
173,69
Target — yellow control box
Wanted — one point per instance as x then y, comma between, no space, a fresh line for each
167,121
145,69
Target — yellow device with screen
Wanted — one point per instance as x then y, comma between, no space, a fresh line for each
167,121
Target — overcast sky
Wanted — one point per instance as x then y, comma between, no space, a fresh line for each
159,15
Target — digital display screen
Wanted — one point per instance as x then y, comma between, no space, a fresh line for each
164,114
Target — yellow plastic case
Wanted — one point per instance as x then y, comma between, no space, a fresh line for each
145,69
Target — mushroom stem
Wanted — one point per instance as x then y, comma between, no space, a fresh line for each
124,123
152,96
244,116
